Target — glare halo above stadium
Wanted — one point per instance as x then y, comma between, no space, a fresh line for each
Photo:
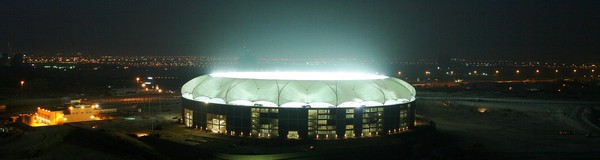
299,75
299,89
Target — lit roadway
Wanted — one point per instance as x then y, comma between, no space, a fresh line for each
450,84
137,99
512,100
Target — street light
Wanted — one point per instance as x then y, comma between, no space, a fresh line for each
22,91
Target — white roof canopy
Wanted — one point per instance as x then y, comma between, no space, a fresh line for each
317,92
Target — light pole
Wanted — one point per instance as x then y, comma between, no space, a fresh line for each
22,91
160,102
137,82
148,96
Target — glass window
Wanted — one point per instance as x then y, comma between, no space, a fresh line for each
188,117
322,122
264,110
323,116
349,133
266,125
323,111
349,110
216,123
293,135
349,116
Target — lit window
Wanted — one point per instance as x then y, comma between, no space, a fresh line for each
349,116
322,122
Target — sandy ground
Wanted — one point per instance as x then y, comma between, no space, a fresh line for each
526,128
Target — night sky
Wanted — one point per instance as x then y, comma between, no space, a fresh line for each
502,29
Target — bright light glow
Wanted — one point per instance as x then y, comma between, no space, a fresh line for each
299,75
482,110
297,93
241,103
141,134
217,101
295,104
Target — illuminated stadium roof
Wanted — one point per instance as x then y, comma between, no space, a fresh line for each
298,89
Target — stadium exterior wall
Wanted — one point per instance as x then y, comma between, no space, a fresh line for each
298,123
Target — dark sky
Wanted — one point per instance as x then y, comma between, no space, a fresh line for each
528,29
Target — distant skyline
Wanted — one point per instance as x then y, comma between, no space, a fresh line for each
545,29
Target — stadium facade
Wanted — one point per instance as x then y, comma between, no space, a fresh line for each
298,105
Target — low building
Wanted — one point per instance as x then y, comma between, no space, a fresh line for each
60,115
2,107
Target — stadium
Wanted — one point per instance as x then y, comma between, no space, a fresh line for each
298,105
